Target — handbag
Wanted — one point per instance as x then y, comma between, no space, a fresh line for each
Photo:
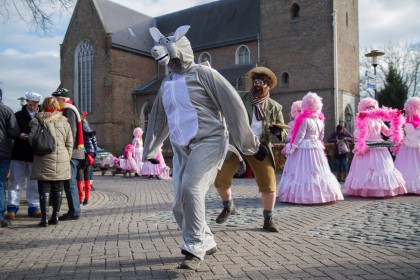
342,147
42,141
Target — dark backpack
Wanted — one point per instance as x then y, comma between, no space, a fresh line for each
42,141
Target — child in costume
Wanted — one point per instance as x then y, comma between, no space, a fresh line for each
408,156
372,172
193,105
130,162
154,170
85,166
138,147
307,177
295,111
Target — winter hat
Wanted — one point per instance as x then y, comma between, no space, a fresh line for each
33,96
61,92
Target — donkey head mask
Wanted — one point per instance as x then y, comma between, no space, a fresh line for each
173,50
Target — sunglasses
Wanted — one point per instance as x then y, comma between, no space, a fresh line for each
260,82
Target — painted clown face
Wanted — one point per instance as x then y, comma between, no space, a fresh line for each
173,51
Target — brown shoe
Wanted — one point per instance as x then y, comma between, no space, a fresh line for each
224,215
10,215
36,214
269,225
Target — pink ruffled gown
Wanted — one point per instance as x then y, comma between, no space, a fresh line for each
373,174
408,159
307,177
130,164
138,151
150,169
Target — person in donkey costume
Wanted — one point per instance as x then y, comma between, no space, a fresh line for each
192,106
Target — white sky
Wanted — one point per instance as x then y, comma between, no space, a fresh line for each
29,62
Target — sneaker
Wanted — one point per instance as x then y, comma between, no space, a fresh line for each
85,202
4,223
190,262
36,214
270,225
225,215
10,215
208,252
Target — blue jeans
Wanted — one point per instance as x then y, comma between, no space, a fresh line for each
4,167
72,192
342,164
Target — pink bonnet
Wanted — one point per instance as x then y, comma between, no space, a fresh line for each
312,102
366,102
296,108
137,131
412,106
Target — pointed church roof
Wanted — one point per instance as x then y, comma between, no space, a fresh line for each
216,23
129,28
213,24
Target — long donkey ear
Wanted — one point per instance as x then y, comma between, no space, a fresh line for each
156,35
181,31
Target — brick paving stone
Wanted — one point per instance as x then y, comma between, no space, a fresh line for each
128,232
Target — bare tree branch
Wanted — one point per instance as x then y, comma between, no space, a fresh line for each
406,61
37,14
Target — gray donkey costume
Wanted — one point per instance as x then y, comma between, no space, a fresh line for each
191,107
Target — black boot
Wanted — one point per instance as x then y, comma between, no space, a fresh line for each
56,198
43,204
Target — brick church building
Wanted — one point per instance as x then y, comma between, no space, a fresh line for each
311,45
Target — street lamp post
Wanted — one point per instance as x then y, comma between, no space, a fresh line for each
374,54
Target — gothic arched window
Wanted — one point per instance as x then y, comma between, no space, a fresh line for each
83,64
242,55
205,56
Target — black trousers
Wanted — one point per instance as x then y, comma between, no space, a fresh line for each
50,186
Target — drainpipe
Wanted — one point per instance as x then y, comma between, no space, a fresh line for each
334,23
258,48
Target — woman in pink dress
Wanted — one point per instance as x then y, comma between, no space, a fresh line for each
372,172
138,147
307,177
408,157
295,111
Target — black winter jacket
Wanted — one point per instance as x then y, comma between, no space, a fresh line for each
22,150
9,130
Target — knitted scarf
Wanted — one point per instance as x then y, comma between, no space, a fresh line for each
258,104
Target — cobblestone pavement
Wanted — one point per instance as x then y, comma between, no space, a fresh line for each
128,232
